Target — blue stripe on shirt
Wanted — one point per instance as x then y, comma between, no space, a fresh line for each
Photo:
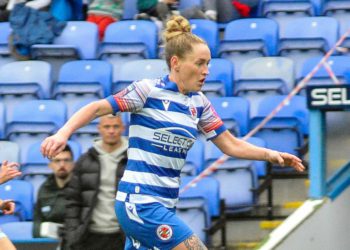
218,131
141,166
164,150
169,193
113,103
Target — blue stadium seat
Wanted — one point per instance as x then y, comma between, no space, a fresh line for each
264,76
295,108
33,121
331,7
202,201
9,151
248,38
25,80
207,188
219,82
194,212
72,43
209,31
2,120
285,132
5,55
339,10
234,112
237,178
9,218
86,73
146,69
18,231
81,80
338,64
127,41
22,193
317,36
131,37
277,8
130,9
194,160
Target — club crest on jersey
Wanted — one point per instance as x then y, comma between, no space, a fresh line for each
164,232
193,112
166,104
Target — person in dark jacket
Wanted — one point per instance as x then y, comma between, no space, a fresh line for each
90,221
51,201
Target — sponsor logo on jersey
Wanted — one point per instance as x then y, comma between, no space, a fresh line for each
166,104
164,232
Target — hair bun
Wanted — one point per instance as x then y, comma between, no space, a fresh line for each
176,25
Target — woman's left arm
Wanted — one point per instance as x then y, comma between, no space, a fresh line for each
235,147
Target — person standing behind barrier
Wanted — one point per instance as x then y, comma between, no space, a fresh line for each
8,172
166,116
51,201
90,221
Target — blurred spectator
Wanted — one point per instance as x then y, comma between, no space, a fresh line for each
104,12
7,5
50,205
31,26
90,221
67,10
229,10
8,172
4,12
162,9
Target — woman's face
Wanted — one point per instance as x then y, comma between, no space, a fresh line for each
190,72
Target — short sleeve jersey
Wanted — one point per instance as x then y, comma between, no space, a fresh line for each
164,125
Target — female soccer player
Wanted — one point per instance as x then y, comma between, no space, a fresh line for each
166,115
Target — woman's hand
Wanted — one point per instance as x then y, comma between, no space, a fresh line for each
9,171
53,145
284,159
7,206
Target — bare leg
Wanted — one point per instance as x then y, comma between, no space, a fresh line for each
6,244
192,243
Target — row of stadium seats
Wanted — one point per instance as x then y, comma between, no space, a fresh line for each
82,81
140,39
35,119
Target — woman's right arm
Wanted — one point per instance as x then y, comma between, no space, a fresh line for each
54,144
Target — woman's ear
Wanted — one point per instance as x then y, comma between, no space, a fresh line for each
174,63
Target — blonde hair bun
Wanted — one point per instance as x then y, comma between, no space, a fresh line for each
175,26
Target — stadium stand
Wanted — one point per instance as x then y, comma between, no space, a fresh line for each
248,38
234,112
219,82
24,80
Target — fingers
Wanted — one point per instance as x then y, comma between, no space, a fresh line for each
14,165
4,163
51,147
45,147
13,173
8,207
293,161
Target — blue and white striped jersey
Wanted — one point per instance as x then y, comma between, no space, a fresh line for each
163,127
